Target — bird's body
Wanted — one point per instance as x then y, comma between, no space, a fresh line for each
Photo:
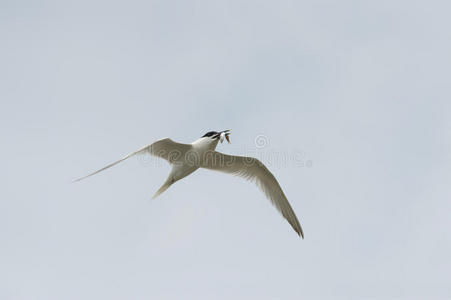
187,158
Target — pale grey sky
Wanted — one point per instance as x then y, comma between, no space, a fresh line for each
355,93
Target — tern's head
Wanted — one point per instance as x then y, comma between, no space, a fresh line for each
214,135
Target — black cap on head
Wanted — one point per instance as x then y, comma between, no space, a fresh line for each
210,134
216,135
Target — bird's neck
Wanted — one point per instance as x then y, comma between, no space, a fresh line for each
205,144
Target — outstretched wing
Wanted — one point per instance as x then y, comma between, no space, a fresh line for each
253,170
165,148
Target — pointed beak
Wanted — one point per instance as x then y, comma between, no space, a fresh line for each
225,134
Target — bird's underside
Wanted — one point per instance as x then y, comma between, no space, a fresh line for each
186,158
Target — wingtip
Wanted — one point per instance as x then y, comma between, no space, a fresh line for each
78,179
300,233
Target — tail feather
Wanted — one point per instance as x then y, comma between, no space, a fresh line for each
163,188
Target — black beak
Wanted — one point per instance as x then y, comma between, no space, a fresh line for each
218,135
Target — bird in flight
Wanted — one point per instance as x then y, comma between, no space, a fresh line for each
187,158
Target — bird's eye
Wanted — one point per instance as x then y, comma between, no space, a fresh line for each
208,134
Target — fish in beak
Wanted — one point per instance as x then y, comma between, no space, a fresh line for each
224,134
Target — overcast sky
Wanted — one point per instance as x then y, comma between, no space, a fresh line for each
347,102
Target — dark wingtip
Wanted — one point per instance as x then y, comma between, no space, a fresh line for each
300,233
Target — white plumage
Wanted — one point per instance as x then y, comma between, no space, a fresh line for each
187,158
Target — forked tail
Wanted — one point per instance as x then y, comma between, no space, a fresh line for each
163,188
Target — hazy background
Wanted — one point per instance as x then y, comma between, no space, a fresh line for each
358,92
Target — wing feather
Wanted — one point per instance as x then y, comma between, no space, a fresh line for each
165,148
254,170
